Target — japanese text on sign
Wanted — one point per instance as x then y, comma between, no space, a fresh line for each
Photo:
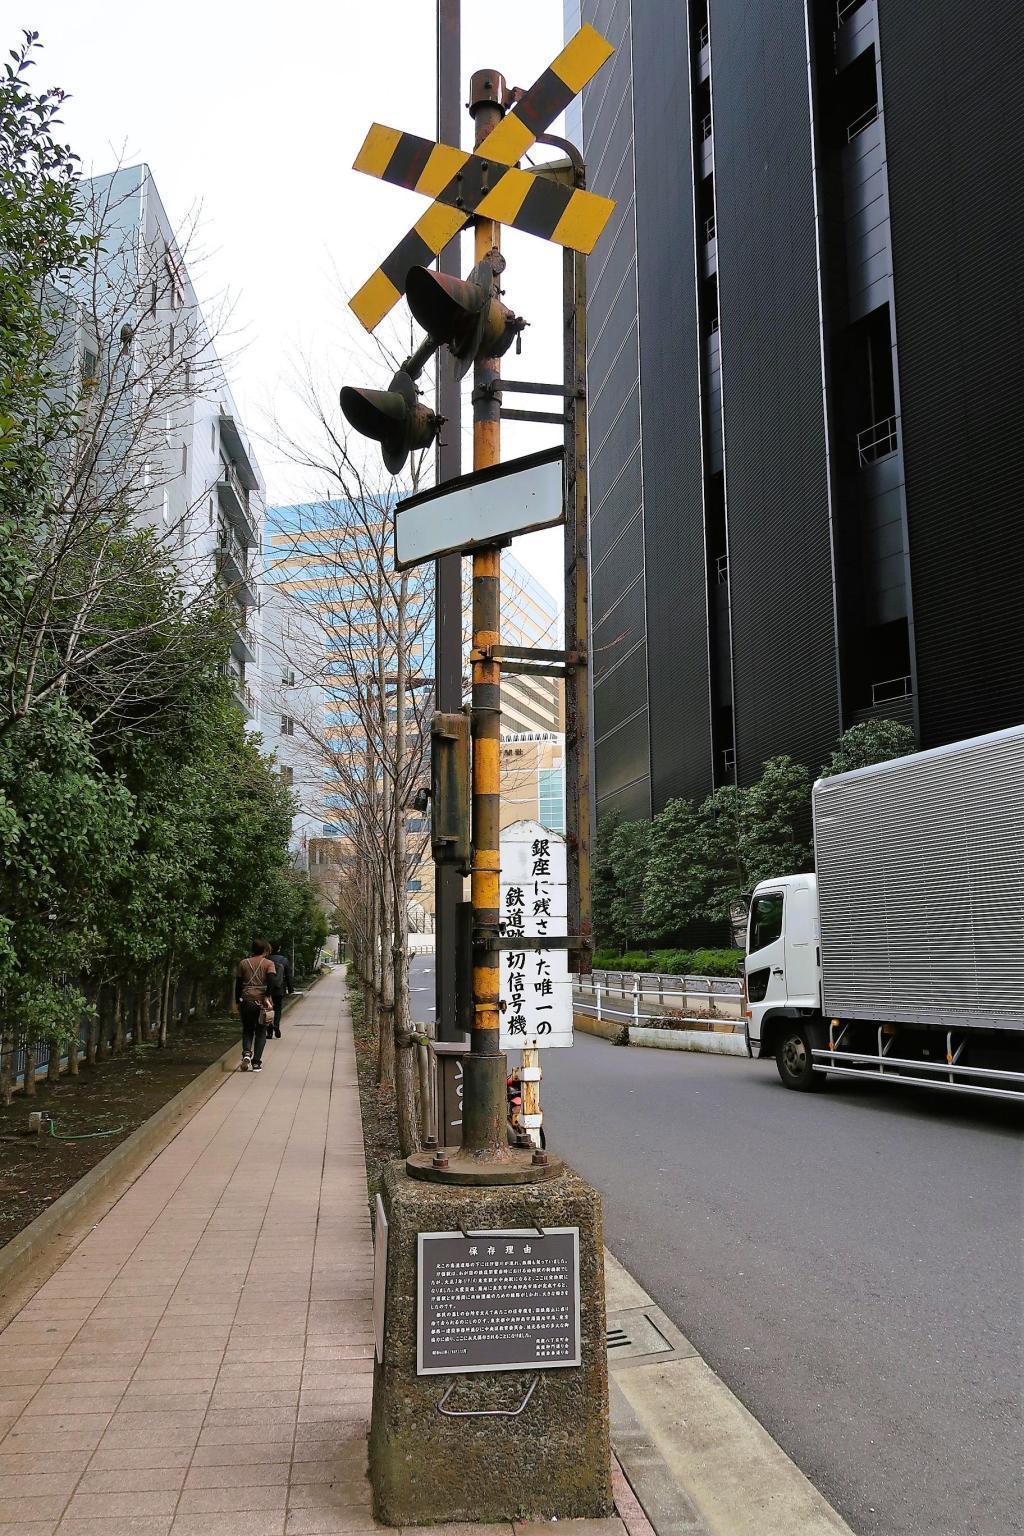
498,1301
536,994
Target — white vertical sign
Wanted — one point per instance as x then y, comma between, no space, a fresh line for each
536,993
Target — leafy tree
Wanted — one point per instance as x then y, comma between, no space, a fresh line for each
603,885
676,882
774,822
720,849
873,741
630,848
65,826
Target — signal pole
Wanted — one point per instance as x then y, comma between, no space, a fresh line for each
485,1105
448,569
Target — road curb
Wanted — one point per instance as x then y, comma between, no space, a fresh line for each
123,1166
698,1462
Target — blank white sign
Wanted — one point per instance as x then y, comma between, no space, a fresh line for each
482,512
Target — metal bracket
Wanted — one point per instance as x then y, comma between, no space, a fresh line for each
520,942
482,1413
555,417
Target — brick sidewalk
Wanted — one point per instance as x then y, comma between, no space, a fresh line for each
201,1364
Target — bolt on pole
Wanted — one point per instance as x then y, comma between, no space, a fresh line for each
485,1106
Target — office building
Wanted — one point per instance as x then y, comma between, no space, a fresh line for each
804,377
173,447
533,779
529,617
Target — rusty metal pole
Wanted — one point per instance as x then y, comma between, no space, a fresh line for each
448,570
485,1105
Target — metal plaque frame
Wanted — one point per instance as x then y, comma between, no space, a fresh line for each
533,1364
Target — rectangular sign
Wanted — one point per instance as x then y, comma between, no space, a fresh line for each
483,508
380,1276
498,1301
536,992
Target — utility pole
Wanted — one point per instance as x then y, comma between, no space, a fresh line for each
448,569
485,1109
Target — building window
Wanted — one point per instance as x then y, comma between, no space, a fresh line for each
287,677
167,509
211,511
287,725
90,364
287,775
170,340
184,458
213,435
551,799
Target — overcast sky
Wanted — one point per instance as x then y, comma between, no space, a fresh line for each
256,112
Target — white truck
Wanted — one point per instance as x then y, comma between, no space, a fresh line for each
902,957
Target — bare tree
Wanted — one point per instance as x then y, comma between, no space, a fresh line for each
365,638
129,354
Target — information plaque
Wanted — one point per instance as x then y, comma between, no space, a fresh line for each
498,1301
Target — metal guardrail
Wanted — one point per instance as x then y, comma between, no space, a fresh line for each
664,986
861,121
877,441
689,990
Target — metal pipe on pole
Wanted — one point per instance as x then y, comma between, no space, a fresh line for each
448,569
485,1110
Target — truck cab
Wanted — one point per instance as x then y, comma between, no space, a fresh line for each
782,973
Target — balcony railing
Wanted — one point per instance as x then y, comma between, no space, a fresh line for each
234,499
705,127
710,229
877,441
861,121
235,566
704,36
845,9
892,688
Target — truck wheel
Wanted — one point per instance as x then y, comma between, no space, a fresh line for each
794,1061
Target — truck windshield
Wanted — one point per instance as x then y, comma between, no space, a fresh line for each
765,920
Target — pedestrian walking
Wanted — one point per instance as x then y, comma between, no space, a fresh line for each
284,982
253,981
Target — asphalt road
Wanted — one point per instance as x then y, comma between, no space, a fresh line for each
850,1262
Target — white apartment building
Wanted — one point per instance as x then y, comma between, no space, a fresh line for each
175,437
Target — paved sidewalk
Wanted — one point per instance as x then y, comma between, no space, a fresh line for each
201,1364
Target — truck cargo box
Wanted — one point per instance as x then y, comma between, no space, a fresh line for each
920,865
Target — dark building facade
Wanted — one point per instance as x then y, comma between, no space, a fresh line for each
805,381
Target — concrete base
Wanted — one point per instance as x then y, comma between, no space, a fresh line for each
553,1460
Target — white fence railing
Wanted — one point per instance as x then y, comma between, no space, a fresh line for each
634,997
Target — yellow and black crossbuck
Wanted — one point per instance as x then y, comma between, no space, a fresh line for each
486,184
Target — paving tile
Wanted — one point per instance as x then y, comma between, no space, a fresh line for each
28,1528
135,1479
136,1502
141,1457
241,1523
120,1525
39,1506
258,1474
268,1498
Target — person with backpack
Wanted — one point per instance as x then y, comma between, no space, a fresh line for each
253,983
283,982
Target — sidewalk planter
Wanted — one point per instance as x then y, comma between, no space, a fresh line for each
712,1042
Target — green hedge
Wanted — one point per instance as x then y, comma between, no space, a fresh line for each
672,962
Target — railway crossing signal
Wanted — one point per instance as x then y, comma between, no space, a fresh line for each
486,184
393,417
469,317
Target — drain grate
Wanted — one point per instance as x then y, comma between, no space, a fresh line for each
632,1334
636,1335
